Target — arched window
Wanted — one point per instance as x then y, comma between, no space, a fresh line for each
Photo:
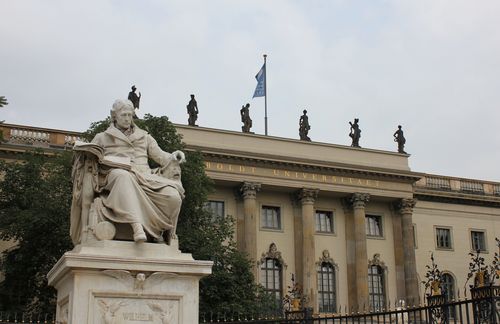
376,287
271,277
326,288
448,289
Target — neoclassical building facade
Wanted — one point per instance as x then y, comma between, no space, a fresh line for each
353,226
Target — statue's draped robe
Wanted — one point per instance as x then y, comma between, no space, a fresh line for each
136,196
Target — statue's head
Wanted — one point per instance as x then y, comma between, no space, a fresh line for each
172,170
134,88
122,107
192,96
399,126
356,120
305,111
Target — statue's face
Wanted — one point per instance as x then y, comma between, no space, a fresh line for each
124,118
172,171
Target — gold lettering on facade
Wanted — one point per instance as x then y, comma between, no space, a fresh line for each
289,174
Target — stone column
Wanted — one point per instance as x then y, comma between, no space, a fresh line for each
359,201
251,218
411,280
307,198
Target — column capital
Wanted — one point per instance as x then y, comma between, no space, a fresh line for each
249,190
359,200
406,205
307,195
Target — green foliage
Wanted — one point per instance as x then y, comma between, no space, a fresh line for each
36,196
35,200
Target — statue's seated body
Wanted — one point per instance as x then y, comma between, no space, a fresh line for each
113,184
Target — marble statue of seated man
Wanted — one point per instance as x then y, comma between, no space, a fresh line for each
126,191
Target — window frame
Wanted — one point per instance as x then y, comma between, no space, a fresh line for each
485,241
381,226
216,216
331,279
279,218
274,270
381,284
436,241
332,221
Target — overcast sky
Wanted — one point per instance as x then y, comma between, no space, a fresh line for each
432,66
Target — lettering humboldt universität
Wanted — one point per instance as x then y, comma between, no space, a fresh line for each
287,174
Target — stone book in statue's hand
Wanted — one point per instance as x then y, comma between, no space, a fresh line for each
121,162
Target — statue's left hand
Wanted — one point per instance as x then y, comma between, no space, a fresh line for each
179,156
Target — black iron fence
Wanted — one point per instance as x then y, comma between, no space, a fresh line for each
483,307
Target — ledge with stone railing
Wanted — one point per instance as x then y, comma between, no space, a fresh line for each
37,136
443,184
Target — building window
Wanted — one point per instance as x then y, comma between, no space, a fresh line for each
373,225
443,238
478,241
448,289
270,277
216,208
324,221
376,288
271,217
326,288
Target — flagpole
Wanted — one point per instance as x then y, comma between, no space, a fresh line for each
265,92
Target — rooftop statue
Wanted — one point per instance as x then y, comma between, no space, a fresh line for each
400,139
245,118
135,98
304,127
192,110
115,190
355,133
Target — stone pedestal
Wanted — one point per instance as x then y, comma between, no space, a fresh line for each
115,282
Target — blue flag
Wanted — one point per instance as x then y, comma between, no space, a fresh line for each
260,90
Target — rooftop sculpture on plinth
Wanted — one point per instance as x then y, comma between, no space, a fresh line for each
355,133
134,98
192,110
400,139
304,127
245,118
116,192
